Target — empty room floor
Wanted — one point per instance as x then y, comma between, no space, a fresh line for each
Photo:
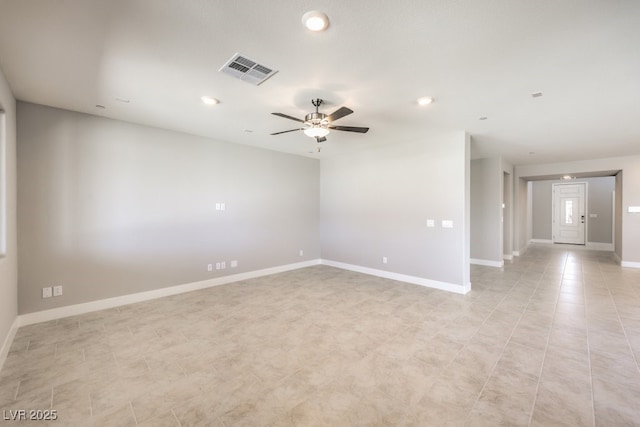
552,339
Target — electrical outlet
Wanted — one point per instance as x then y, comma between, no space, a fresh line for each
218,266
431,223
447,223
222,207
223,265
57,291
234,263
209,267
47,292
384,259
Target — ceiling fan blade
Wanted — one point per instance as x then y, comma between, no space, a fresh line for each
339,113
285,131
320,139
349,128
288,117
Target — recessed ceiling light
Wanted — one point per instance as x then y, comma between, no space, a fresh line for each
208,100
315,21
536,95
483,118
424,101
102,107
126,101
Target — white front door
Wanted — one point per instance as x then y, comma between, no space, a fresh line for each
569,213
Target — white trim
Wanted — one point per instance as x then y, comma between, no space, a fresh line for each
600,246
592,246
4,350
458,289
617,258
517,253
508,257
630,264
487,263
87,307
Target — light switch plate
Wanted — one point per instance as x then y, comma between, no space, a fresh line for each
431,223
633,209
447,224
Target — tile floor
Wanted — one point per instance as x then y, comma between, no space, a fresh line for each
553,339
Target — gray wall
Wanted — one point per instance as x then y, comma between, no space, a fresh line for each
9,260
618,215
630,192
376,203
507,212
599,201
521,215
109,208
486,209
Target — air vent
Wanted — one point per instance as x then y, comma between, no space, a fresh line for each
247,70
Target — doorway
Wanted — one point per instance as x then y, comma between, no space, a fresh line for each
569,201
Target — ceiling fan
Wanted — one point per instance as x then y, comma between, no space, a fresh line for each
318,125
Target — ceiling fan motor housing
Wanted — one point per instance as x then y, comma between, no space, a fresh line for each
316,119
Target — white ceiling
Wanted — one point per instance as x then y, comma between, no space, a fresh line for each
475,57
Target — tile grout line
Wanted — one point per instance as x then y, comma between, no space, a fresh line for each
546,347
624,331
176,418
15,396
586,311
133,412
506,343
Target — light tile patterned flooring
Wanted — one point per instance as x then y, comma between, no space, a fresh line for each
554,339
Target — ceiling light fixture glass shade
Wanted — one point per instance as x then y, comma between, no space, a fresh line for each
425,101
315,21
316,131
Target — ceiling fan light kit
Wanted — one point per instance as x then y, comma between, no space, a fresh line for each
318,125
316,131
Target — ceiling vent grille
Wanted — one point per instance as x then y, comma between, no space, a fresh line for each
247,70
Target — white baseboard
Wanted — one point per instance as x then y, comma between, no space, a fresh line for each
589,245
545,241
4,350
507,257
87,307
617,258
630,264
400,277
487,263
600,246
521,251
